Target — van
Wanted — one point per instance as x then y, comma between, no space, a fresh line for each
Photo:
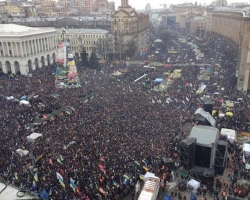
150,189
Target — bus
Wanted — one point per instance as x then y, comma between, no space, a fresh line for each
150,189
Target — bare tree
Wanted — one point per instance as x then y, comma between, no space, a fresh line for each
102,47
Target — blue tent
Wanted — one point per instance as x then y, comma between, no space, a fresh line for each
167,197
193,197
159,80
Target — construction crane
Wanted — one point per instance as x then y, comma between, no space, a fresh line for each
164,6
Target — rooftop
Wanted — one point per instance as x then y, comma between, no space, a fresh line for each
53,19
13,29
86,31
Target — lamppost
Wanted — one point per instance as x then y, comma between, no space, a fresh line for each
120,44
31,140
80,39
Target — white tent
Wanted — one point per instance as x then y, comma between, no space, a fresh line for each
207,115
246,153
32,137
230,133
24,102
193,184
22,152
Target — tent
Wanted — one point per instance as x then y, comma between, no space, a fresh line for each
24,102
229,114
167,197
116,73
207,115
230,133
22,152
193,185
158,80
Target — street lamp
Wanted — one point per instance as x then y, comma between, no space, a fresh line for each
120,43
31,140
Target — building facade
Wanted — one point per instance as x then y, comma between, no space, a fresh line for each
234,26
130,30
178,10
24,49
198,27
90,39
85,22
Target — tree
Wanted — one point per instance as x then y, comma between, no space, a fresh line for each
84,57
93,62
130,52
166,36
102,47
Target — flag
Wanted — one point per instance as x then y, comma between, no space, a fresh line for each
50,161
141,177
50,191
34,184
36,177
59,160
44,194
145,168
102,159
126,176
16,177
61,157
144,161
62,183
101,190
137,163
116,184
71,180
101,167
59,176
73,186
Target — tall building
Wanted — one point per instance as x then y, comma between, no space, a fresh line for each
130,30
234,26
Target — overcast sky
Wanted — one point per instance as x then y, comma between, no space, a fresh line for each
140,4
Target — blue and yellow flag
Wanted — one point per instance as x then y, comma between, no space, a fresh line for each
62,183
59,160
34,184
137,163
36,177
126,176
73,186
116,184
16,177
50,191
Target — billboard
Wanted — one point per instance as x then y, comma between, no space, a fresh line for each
61,53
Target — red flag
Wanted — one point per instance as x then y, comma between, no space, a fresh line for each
101,167
102,159
78,192
51,162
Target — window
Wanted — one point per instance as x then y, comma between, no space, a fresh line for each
9,44
10,52
1,52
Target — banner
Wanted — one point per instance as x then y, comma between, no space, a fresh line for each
60,54
66,71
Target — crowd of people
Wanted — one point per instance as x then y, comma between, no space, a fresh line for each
101,149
